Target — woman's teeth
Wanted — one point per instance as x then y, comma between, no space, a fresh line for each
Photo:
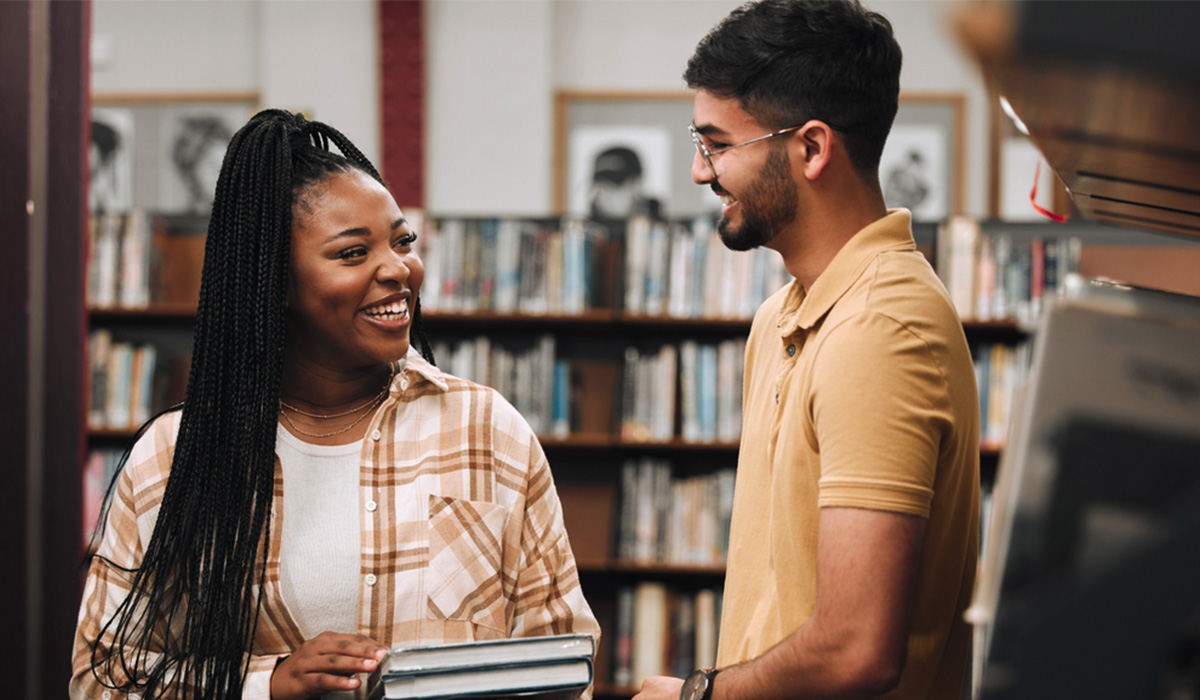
396,309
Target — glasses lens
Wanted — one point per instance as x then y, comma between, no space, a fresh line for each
701,148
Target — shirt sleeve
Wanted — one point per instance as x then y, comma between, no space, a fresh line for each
881,409
548,598
127,531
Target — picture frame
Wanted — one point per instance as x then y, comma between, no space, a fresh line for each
161,151
922,165
654,123
604,140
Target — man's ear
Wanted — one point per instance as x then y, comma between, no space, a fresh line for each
815,144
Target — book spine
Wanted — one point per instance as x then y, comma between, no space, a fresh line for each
622,674
650,625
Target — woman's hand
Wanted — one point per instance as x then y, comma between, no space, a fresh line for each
323,664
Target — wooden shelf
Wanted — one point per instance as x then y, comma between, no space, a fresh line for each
641,570
182,313
1112,110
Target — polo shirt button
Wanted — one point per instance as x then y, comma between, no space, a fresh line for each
376,435
371,579
371,506
403,383
106,695
791,350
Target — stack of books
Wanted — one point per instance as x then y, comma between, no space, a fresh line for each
556,667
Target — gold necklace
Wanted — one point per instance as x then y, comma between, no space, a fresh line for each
377,400
356,409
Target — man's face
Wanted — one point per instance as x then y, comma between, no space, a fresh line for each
755,183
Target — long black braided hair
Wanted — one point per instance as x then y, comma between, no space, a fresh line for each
187,626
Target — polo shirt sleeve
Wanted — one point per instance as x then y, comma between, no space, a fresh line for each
881,409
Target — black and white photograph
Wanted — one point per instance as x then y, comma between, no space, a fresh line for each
618,172
919,169
193,145
623,153
110,161
162,153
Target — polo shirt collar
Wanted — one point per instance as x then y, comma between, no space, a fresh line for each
803,310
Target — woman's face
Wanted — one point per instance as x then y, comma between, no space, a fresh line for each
355,275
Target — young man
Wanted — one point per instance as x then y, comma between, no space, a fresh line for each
854,540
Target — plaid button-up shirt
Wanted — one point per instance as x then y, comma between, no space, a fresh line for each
462,531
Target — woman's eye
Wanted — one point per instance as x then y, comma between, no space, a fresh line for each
406,240
351,253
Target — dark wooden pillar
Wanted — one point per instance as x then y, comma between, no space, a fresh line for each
43,101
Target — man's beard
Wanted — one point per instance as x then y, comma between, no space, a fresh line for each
769,204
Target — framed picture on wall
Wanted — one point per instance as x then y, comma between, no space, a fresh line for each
922,164
161,152
622,153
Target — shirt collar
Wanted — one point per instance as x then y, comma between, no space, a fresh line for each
803,310
414,363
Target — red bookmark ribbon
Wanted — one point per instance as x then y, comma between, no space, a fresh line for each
1037,176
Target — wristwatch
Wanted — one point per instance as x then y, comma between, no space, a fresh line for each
699,685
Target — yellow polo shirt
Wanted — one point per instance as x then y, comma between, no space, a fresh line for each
859,393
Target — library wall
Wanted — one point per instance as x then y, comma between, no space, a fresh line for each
492,67
319,56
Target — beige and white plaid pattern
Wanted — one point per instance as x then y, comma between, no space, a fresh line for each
462,531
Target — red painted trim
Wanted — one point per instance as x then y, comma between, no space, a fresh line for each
402,99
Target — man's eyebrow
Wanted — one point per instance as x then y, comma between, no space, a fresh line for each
708,130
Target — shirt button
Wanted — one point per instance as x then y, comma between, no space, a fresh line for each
376,435
372,505
106,695
403,383
791,350
371,579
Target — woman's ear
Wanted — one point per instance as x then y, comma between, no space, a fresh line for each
816,147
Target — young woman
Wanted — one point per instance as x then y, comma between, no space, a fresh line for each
324,492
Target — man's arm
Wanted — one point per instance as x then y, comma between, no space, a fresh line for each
855,643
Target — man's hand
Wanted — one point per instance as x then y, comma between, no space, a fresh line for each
660,688
325,663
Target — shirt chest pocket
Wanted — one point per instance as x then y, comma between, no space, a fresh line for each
464,580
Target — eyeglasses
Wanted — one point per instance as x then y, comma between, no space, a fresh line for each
708,153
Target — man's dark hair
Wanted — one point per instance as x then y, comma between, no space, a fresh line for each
788,61
187,625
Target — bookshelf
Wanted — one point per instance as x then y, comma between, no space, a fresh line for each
143,284
592,453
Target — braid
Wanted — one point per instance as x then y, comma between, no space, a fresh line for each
194,595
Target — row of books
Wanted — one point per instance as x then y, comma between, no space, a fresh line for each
684,270
661,631
534,266
664,518
1000,373
548,266
129,382
997,277
693,390
139,258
